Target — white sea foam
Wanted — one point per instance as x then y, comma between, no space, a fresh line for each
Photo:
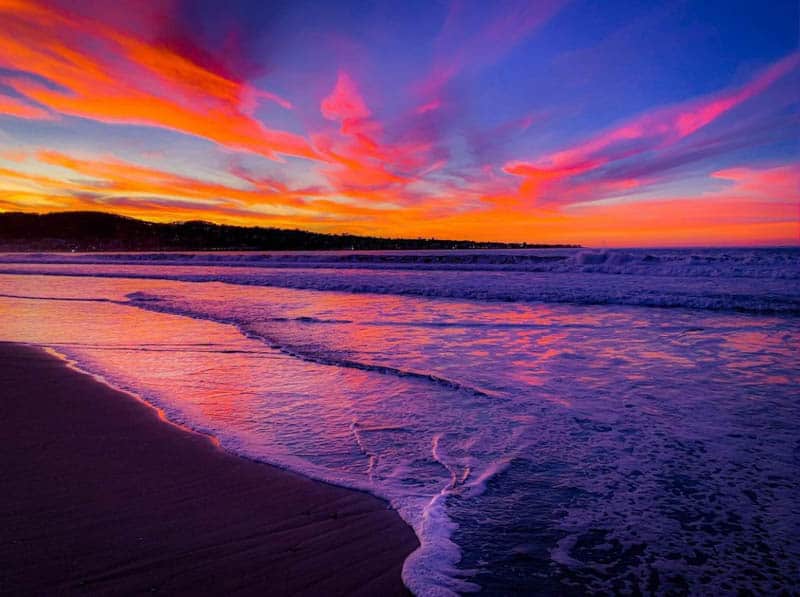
744,280
753,263
526,438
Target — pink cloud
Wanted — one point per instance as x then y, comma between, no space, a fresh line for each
782,182
360,159
344,102
649,133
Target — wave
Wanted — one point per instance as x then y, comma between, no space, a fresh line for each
480,436
767,297
306,319
750,263
749,281
153,303
58,298
430,570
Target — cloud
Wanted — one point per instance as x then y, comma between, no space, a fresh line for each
361,159
470,40
649,136
344,103
120,177
10,106
781,182
426,154
97,72
137,190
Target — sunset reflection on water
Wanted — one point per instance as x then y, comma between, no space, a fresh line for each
412,397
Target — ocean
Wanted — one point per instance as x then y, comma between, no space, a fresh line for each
562,421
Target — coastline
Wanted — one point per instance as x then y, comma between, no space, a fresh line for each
101,496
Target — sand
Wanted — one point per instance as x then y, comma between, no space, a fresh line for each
100,495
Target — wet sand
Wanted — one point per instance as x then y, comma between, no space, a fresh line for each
101,495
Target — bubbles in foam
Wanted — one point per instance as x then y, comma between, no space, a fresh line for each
529,444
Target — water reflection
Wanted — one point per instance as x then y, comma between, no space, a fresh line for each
636,431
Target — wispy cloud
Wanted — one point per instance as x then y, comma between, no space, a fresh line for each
648,136
456,139
94,71
10,106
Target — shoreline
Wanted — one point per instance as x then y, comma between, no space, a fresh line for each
101,496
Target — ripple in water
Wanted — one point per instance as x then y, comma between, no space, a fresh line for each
547,448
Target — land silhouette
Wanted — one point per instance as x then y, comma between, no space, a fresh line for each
86,231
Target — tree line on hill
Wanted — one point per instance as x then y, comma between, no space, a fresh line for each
98,231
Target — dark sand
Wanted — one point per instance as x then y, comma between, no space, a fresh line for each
100,495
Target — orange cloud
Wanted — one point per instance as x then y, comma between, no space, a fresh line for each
717,220
378,182
120,178
10,106
135,190
95,72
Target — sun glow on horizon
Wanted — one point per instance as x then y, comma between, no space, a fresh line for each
505,122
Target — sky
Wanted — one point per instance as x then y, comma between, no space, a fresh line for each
598,122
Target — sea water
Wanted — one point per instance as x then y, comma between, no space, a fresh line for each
548,421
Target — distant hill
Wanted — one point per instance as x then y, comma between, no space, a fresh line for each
97,231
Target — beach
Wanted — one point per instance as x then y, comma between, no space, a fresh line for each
103,495
546,421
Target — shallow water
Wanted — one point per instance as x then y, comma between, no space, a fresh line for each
537,420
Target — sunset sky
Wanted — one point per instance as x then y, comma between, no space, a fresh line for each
593,122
